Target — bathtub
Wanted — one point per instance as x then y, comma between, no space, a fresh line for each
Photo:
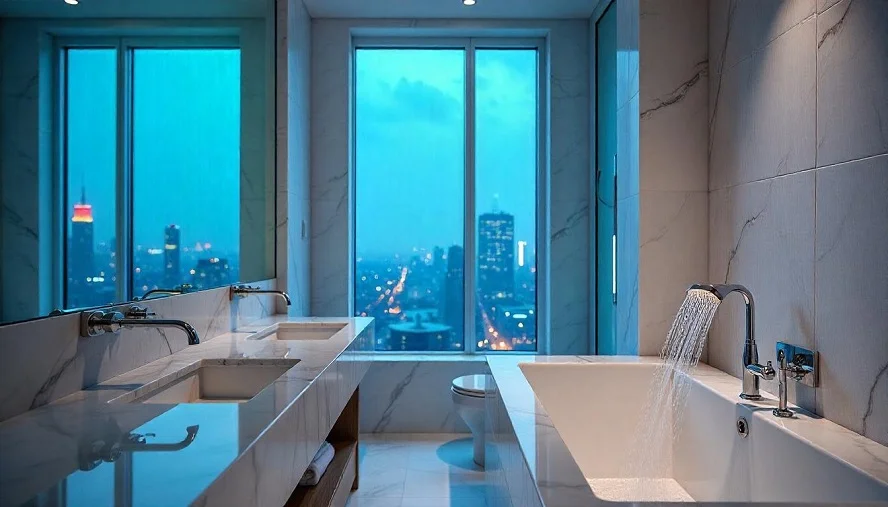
595,406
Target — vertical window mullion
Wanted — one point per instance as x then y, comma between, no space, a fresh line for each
469,258
124,250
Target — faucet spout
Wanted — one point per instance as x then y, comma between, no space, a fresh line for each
193,338
96,322
752,370
242,291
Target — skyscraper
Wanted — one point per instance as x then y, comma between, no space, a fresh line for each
452,307
171,256
82,255
496,256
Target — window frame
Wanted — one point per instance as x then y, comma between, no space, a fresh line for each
125,47
470,45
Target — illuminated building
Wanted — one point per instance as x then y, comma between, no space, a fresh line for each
172,256
81,257
516,326
209,273
420,335
496,256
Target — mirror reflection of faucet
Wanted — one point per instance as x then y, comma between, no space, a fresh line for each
185,288
108,447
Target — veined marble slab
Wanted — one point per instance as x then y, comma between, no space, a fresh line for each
243,454
536,467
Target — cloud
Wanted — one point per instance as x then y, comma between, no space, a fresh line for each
408,101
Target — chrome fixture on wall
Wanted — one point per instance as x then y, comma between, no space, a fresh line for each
242,291
96,322
793,363
752,370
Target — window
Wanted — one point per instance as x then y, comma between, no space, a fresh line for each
91,162
447,162
145,124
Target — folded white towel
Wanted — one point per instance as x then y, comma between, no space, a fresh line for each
318,465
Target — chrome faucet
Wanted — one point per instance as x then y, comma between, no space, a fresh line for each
793,363
96,322
242,291
752,370
181,289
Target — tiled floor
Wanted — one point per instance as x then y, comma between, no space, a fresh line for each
418,470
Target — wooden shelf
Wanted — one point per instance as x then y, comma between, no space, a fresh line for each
341,477
336,483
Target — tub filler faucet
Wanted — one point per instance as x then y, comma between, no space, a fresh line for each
752,370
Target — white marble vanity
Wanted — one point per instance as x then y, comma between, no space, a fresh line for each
236,419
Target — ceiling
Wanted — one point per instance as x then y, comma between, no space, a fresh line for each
449,9
134,8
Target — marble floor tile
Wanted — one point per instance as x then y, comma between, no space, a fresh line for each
418,470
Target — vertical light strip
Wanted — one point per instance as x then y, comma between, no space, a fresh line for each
469,292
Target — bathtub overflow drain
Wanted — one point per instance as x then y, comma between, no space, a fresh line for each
742,427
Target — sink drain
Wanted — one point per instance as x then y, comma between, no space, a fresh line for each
743,427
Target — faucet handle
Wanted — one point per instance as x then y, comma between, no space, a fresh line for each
799,363
766,372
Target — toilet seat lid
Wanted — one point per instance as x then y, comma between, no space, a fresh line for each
471,385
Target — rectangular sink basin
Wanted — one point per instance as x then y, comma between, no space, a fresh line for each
218,382
303,331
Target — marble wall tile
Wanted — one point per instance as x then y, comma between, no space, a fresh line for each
330,181
569,263
673,96
25,225
293,152
851,300
413,396
740,28
852,72
673,254
569,250
762,117
762,236
823,5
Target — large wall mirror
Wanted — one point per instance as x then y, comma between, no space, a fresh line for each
136,150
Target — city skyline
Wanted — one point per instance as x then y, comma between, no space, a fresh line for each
91,268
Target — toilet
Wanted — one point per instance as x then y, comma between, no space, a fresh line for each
468,396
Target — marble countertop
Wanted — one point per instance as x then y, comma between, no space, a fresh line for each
50,451
558,478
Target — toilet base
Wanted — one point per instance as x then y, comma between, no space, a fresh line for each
478,452
471,410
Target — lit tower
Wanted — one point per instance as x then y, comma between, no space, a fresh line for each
496,256
81,256
171,256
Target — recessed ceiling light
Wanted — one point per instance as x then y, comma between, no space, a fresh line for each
465,2
71,2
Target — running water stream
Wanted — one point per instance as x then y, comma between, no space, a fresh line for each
650,457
